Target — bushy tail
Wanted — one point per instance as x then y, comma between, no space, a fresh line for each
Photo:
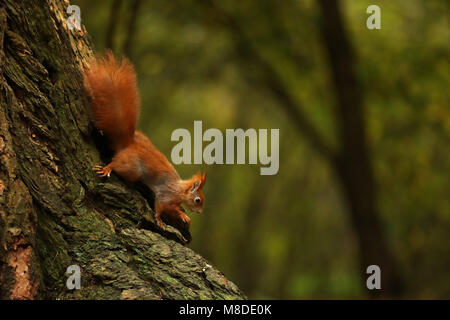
114,95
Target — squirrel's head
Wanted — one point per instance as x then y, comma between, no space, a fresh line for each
193,194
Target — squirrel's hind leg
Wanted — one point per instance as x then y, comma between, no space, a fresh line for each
103,171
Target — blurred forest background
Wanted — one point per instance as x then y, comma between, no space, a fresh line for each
364,124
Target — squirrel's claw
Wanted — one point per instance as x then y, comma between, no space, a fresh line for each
186,219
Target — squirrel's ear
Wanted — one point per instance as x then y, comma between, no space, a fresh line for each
203,180
198,182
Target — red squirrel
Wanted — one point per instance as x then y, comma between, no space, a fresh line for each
112,87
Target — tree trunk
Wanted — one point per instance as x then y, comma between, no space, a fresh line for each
54,211
353,164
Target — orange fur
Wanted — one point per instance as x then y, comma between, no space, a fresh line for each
112,88
114,96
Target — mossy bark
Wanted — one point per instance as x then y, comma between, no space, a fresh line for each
54,211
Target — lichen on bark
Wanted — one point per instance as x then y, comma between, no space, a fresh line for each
54,212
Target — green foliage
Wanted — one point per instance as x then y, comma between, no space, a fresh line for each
289,235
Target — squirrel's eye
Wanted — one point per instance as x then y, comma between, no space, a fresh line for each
197,199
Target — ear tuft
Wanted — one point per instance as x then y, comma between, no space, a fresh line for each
198,180
203,180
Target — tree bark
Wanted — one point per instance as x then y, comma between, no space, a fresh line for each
54,211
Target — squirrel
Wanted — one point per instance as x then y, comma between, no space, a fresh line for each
111,86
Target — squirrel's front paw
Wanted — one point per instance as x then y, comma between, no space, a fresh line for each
103,171
185,219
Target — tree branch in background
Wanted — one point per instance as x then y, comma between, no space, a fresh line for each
112,23
355,166
129,41
272,80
